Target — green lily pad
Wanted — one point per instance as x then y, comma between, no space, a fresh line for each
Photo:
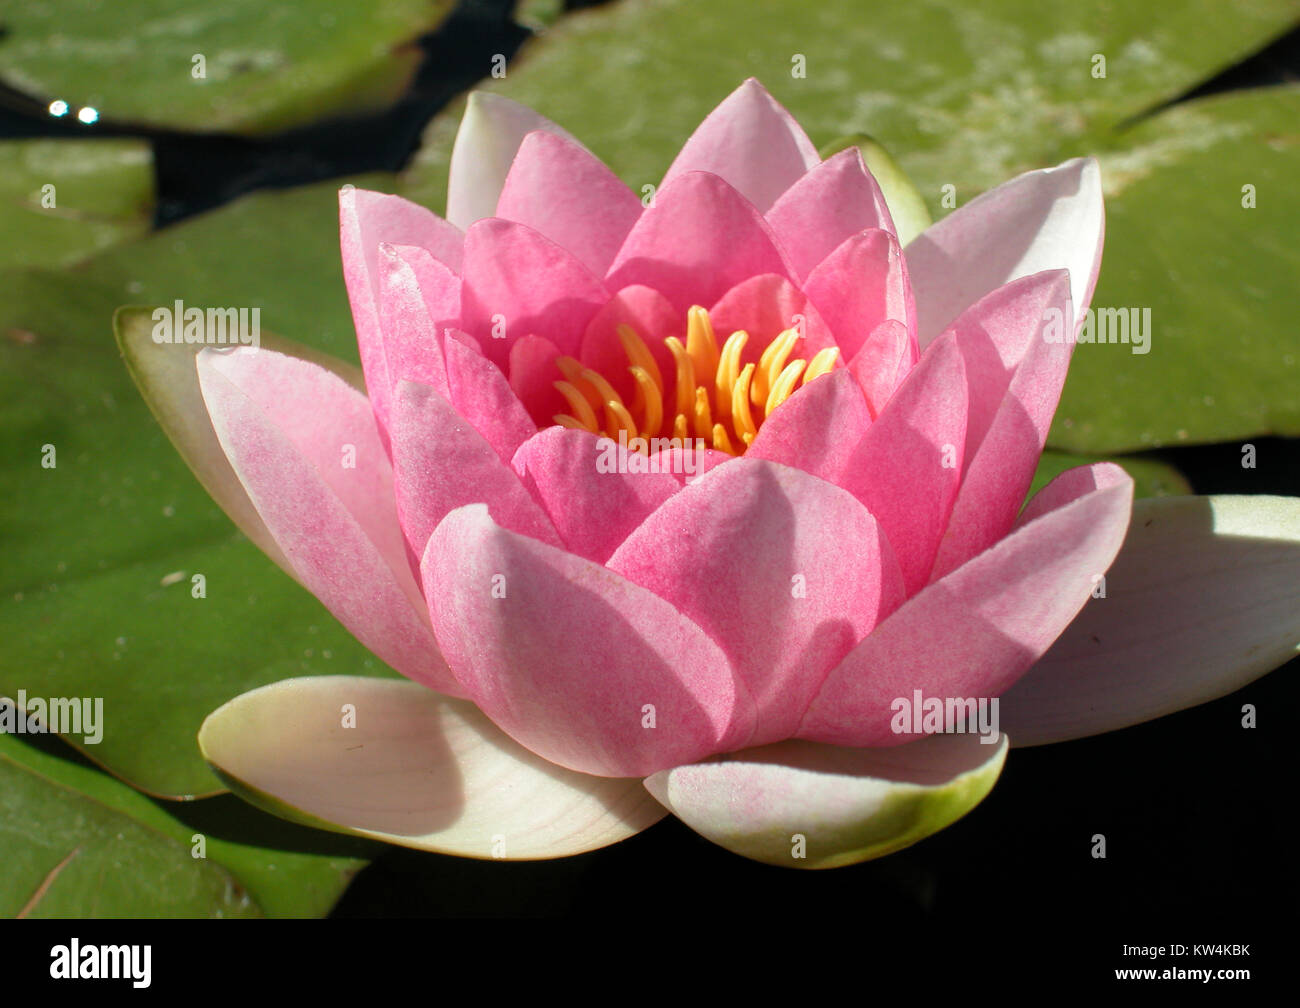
962,94
539,15
265,67
277,250
96,596
1151,477
1218,277
969,96
253,863
66,855
63,200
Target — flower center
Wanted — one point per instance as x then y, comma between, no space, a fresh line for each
712,397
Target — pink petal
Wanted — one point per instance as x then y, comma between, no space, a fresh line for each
1015,374
1041,220
690,461
519,283
882,363
480,393
592,508
817,429
440,462
573,662
786,571
366,221
169,382
305,446
908,466
564,192
533,373
834,201
752,142
976,631
418,296
490,133
698,240
860,285
764,306
1068,486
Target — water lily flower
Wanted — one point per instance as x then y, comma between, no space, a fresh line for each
667,505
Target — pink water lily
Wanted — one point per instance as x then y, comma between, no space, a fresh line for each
663,505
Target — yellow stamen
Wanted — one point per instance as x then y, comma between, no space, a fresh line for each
729,370
701,344
821,364
741,418
770,365
710,394
582,410
638,399
639,355
685,375
651,402
572,372
606,390
784,385
618,419
616,415
703,418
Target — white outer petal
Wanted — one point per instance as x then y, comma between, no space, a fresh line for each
846,805
418,769
1203,598
1052,218
486,143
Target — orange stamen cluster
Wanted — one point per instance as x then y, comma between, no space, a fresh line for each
712,397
